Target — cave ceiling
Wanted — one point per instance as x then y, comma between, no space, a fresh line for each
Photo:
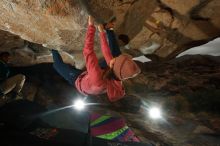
162,28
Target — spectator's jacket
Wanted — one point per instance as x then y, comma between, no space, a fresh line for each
91,81
4,71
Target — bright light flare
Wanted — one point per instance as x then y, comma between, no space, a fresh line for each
79,104
155,113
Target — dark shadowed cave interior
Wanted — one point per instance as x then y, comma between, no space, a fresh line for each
175,43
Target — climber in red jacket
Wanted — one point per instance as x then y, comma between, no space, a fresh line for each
95,80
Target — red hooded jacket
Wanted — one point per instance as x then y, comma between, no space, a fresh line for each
91,81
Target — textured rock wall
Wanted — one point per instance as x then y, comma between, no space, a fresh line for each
179,25
171,24
9,41
187,89
52,22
